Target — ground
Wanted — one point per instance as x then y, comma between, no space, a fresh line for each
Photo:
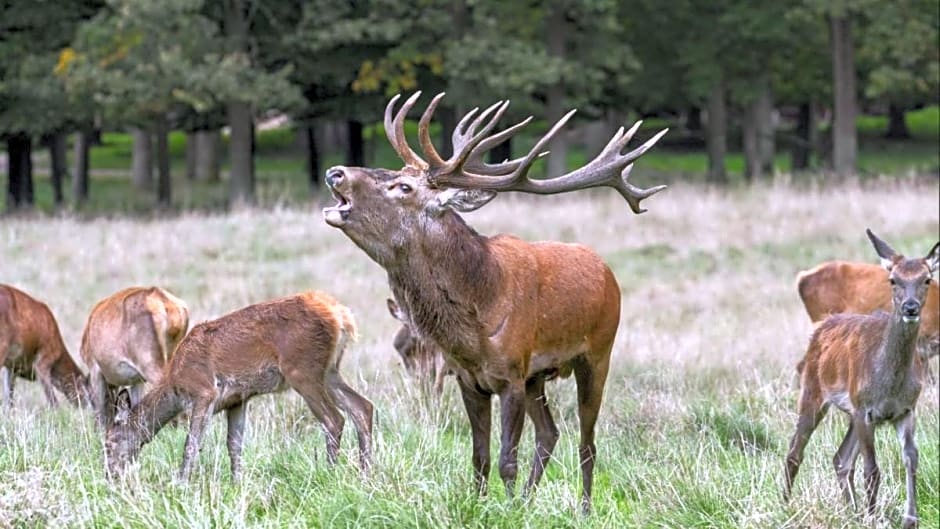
699,407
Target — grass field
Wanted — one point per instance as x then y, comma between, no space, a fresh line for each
699,407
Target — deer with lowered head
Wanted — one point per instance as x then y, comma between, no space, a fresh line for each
127,340
508,315
421,358
294,342
866,366
31,347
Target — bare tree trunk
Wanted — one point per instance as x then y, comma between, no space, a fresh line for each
191,141
20,171
164,190
766,140
142,159
448,121
240,117
803,143
355,155
309,139
897,125
845,105
717,134
749,131
80,180
555,104
58,165
208,147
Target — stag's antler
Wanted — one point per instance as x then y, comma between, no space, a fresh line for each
466,168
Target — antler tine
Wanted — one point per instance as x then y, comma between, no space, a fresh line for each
395,131
464,141
424,135
475,163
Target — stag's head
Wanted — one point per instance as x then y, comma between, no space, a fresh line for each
382,209
909,277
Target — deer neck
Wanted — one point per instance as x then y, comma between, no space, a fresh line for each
68,378
154,411
897,351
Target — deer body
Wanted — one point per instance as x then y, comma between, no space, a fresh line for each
866,366
294,342
31,347
128,339
506,314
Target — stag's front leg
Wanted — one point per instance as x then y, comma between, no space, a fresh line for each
512,416
905,429
546,433
479,410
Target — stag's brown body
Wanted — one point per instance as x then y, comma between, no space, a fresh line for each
507,314
862,288
128,338
866,365
294,342
31,347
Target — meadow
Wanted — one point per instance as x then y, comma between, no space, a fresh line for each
699,407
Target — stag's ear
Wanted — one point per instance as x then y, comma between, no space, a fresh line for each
122,403
394,309
886,252
462,200
933,258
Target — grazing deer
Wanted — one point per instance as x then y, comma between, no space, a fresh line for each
507,314
421,358
31,346
128,338
862,288
865,365
295,342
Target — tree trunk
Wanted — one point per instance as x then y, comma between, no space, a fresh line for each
448,121
845,105
897,125
803,143
208,146
716,138
241,142
749,132
355,154
20,171
309,140
142,159
58,165
191,139
694,122
766,140
164,190
555,95
80,181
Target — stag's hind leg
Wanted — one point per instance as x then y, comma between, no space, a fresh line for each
546,433
360,410
590,377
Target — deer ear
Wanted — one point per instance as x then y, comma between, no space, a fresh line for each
463,200
886,252
933,258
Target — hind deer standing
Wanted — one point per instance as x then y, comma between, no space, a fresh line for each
421,358
294,342
507,314
31,346
128,338
866,366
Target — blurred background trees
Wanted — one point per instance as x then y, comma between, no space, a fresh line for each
175,103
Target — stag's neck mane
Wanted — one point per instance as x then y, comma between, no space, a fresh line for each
445,277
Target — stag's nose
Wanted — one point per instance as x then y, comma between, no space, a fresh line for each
334,175
910,309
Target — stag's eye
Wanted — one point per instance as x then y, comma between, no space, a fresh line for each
405,188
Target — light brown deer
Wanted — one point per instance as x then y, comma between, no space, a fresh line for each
862,288
31,347
507,314
128,338
866,365
421,359
294,342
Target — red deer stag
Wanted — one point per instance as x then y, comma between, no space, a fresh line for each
295,342
421,358
31,346
128,338
865,365
507,314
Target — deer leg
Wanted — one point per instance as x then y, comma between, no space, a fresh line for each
546,433
440,373
590,379
479,411
865,432
361,411
844,463
313,390
235,438
905,429
7,378
199,417
812,411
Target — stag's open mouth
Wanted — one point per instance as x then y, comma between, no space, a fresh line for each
336,215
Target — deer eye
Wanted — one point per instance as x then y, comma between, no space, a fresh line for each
928,280
892,281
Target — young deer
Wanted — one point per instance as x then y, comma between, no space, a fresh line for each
128,338
294,342
31,346
507,314
421,358
865,365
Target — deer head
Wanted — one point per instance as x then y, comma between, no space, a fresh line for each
381,209
909,277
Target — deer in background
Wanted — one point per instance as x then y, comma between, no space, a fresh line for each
866,365
31,347
508,315
295,342
128,338
421,358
